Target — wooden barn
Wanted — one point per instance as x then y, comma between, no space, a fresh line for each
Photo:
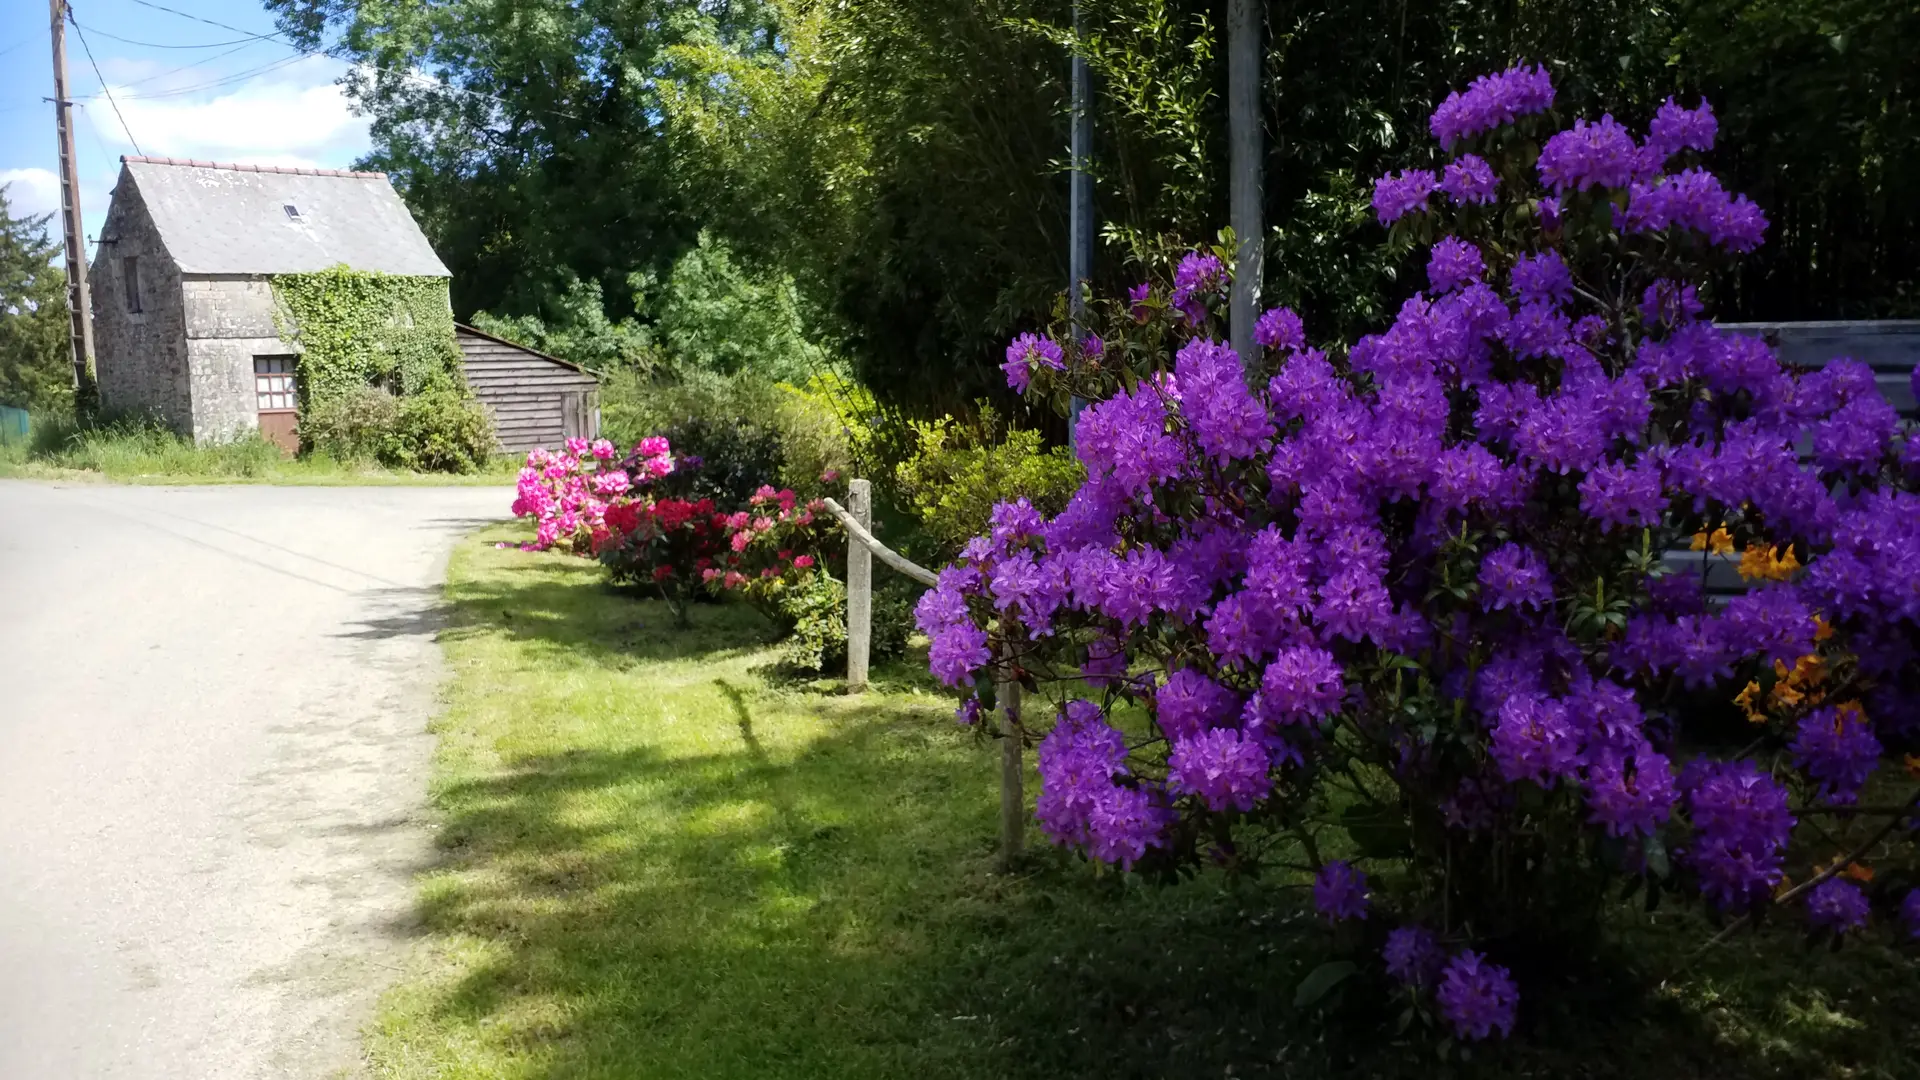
537,400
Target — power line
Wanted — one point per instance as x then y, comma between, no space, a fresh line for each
143,80
236,77
88,49
158,45
196,18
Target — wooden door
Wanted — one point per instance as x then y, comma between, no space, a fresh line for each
573,415
277,400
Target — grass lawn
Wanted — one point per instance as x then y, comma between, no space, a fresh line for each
661,859
143,455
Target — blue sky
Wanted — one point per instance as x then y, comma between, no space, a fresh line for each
253,101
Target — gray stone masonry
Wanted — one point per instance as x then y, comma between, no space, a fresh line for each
140,357
229,321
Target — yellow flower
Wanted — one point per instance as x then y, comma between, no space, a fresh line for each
1822,629
1809,670
1720,543
1748,701
1761,563
1848,710
1785,565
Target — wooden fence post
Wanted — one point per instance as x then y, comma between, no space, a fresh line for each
1013,799
859,586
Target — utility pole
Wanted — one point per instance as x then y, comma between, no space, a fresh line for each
79,302
1246,149
1080,200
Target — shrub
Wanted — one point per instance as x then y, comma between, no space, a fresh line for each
440,429
959,472
1401,615
353,426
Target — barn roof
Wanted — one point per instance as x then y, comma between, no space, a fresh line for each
234,219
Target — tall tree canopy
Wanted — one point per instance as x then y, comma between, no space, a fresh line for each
36,367
903,160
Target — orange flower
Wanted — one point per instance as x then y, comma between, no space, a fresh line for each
1720,543
1858,873
1913,765
1822,629
1748,700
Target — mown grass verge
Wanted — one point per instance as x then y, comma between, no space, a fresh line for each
663,859
128,452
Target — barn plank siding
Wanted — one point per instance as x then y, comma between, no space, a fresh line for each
537,400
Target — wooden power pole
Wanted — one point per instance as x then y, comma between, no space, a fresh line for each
1244,137
79,301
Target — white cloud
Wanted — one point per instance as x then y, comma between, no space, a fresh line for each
31,191
293,115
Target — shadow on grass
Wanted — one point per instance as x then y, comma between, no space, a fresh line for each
735,900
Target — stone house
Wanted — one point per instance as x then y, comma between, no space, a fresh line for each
183,304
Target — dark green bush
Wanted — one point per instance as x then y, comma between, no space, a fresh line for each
441,429
813,620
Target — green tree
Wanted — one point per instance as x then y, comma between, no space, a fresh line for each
36,369
528,137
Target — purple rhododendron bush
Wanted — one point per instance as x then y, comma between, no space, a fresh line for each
1402,616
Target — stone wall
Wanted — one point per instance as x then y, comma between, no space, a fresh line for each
140,357
229,321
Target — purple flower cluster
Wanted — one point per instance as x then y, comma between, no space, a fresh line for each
1454,263
1413,955
1280,328
1491,101
1198,274
1587,155
1741,825
1457,503
1027,351
1227,769
1476,997
1081,801
1340,892
1512,576
1837,906
1838,749
1469,181
1395,196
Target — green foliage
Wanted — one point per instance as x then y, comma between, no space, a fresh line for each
714,316
436,430
813,616
959,471
573,325
358,328
36,367
812,619
353,426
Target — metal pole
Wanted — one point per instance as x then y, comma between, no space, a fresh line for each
79,302
859,586
1244,137
1080,201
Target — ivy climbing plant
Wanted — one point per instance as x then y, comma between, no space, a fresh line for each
357,329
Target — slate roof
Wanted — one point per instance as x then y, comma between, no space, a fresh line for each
232,219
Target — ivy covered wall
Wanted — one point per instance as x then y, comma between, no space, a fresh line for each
357,329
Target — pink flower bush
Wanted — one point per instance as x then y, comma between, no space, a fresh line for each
567,492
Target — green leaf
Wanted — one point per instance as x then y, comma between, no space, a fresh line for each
1322,980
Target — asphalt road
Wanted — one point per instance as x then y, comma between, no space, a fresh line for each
213,752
